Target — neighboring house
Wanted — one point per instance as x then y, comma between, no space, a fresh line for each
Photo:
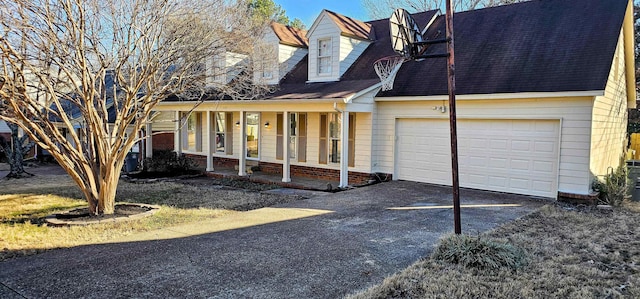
76,119
543,89
4,129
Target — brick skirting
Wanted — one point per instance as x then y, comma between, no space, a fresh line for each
162,141
201,161
355,178
590,199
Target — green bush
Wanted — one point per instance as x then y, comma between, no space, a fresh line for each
613,188
479,253
169,162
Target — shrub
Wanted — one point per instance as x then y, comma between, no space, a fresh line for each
613,188
479,253
169,162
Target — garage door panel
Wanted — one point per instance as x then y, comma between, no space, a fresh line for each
544,146
518,156
518,164
521,146
498,144
543,166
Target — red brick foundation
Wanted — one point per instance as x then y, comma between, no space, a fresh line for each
224,162
162,141
201,161
590,199
356,178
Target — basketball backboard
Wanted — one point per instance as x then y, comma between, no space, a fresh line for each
404,33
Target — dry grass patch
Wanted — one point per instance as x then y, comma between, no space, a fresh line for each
572,254
25,203
24,231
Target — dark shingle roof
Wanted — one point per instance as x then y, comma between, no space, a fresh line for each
536,46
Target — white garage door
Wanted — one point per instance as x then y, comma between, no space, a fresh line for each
516,156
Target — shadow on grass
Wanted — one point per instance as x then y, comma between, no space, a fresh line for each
30,209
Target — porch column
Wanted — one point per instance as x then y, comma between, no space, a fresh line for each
208,131
242,161
344,151
148,140
177,136
286,164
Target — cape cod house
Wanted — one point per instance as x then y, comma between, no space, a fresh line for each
543,89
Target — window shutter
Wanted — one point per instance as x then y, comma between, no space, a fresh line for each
199,131
302,137
279,135
352,139
323,139
228,134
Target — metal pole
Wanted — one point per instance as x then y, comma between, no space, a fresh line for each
452,117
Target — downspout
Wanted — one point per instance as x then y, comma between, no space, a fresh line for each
628,42
344,151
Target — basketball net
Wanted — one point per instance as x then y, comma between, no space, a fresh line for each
387,68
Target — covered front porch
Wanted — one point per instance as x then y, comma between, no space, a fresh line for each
328,141
296,182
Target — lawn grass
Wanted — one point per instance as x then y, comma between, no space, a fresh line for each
25,203
573,253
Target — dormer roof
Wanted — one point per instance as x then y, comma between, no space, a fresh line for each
351,27
348,26
290,36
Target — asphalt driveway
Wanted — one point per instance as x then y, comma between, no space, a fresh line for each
323,247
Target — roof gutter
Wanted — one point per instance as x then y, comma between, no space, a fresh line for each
362,92
497,96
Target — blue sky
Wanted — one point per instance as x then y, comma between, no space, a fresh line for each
308,10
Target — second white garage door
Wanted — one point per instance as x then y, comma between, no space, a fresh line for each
516,156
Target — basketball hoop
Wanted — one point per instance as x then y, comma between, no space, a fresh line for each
387,68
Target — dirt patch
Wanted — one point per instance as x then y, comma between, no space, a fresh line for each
122,212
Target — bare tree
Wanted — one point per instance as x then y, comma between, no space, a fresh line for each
380,9
15,149
81,77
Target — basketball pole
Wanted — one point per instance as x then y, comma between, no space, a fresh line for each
452,117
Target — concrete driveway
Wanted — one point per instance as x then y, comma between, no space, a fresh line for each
324,247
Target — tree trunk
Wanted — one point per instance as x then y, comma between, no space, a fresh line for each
102,201
15,150
107,194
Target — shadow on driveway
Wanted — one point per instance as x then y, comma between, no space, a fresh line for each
355,242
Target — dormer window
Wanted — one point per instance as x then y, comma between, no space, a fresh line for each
324,56
267,70
218,69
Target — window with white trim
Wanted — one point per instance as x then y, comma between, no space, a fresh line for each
267,71
324,56
335,121
253,135
221,131
192,130
293,135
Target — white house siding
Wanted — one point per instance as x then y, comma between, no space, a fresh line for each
164,122
608,133
363,142
350,50
325,28
574,114
3,127
364,134
270,45
288,57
